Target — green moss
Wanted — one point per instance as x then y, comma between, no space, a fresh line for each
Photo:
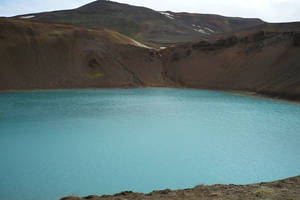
97,75
263,192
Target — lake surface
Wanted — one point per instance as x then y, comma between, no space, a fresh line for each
81,142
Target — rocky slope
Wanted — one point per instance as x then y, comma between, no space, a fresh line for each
35,55
144,24
264,59
278,190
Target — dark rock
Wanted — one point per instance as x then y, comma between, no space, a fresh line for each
90,197
175,57
297,39
166,191
124,193
259,36
71,198
30,32
219,44
93,63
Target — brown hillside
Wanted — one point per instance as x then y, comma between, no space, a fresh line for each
36,55
263,60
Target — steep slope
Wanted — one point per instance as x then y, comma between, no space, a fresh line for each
36,55
264,59
144,24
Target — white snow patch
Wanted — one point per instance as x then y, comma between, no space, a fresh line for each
209,29
196,26
27,17
136,43
204,30
200,30
168,15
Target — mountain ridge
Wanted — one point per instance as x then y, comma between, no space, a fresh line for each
144,24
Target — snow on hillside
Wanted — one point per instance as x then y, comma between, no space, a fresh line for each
209,29
27,17
204,30
167,15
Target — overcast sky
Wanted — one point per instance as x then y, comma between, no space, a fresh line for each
268,10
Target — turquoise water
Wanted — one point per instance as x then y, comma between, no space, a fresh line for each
82,142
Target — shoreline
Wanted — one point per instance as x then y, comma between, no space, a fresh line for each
260,96
244,93
284,189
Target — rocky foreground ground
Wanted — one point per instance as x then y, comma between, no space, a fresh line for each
287,189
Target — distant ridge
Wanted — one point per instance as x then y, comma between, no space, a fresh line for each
144,24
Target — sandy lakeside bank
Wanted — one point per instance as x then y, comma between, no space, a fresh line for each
286,189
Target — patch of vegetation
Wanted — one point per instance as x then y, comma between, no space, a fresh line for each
263,192
97,75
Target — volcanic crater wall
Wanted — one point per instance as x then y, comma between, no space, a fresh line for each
35,55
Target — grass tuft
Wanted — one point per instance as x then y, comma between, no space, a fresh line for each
97,75
263,192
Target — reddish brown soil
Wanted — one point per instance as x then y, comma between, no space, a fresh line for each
36,55
263,60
